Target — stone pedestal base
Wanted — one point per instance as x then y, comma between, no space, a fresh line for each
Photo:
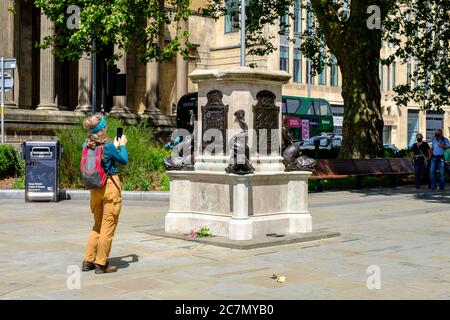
152,111
84,108
11,105
48,107
120,110
239,207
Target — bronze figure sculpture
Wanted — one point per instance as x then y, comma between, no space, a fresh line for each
293,159
240,152
182,161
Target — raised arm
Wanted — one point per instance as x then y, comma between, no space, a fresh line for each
121,156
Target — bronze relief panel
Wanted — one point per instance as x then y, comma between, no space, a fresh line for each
214,116
266,119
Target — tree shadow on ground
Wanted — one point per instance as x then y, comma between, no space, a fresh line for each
424,194
124,261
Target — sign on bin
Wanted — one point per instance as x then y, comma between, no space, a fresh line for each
41,170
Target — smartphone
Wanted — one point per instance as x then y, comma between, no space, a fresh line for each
119,133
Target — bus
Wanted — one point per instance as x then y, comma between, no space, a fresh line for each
304,117
307,117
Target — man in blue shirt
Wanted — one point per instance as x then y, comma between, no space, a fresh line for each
439,144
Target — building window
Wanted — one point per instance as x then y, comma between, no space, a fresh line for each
334,72
231,16
387,134
323,76
284,24
284,58
392,35
435,120
309,78
413,126
338,118
297,65
393,76
415,72
408,72
297,16
309,20
381,78
388,77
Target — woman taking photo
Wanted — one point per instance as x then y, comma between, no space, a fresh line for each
106,198
421,151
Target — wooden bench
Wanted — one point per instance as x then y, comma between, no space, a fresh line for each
359,168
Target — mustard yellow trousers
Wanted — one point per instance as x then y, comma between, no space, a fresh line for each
106,203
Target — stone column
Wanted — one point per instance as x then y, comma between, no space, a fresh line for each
47,97
182,66
300,221
152,81
240,226
84,84
120,102
152,88
7,48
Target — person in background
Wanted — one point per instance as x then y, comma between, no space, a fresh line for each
106,202
421,151
439,144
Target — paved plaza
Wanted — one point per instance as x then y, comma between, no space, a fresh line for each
403,233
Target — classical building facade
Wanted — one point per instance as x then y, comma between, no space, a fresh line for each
49,94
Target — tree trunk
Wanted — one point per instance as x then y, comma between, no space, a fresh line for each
357,49
363,121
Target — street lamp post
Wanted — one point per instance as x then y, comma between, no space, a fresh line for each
94,77
243,33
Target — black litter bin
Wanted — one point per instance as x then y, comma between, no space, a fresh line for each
41,170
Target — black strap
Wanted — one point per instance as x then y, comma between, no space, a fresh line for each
109,176
420,150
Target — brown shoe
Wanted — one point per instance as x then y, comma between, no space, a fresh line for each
87,266
105,269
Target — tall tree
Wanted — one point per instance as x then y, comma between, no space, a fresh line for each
354,31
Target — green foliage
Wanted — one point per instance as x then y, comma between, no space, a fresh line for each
389,153
404,153
122,23
164,182
203,232
10,163
419,32
71,139
19,183
145,170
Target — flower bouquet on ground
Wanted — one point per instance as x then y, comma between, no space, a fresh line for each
203,232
